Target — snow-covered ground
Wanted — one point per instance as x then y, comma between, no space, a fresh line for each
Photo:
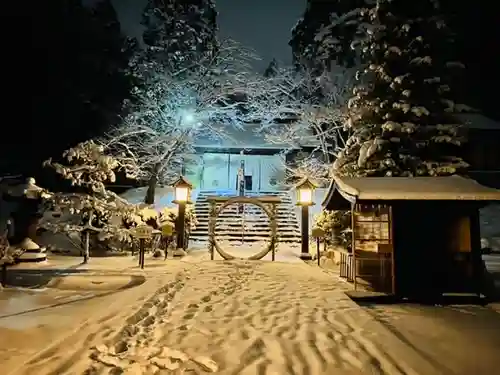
288,253
199,316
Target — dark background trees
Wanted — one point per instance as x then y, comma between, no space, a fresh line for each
179,32
72,66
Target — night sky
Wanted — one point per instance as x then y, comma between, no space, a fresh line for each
264,25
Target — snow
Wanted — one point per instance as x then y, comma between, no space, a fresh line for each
212,316
163,196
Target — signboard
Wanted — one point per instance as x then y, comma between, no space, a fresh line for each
318,233
143,231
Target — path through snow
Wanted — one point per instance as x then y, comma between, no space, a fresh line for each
239,317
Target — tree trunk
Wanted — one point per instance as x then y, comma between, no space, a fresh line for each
153,181
86,249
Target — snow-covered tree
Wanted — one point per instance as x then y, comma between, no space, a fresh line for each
179,33
400,116
94,209
324,35
173,108
336,226
304,112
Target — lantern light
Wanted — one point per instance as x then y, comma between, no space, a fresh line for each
182,190
305,190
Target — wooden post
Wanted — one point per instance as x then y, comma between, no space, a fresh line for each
4,274
142,248
318,234
211,230
304,252
354,207
317,248
142,232
391,241
166,242
86,250
478,269
273,231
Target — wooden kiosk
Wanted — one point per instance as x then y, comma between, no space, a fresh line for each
414,236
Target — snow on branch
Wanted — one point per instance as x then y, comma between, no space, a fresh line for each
8,254
89,167
173,109
305,112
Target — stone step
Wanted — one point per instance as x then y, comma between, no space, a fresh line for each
246,195
261,225
236,218
246,208
236,215
247,192
249,240
282,197
237,239
255,228
289,233
255,221
246,234
206,206
198,211
206,195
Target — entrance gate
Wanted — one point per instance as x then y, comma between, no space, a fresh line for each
266,203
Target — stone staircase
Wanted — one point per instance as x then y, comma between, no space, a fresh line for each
250,226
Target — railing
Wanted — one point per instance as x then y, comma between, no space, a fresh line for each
346,266
374,271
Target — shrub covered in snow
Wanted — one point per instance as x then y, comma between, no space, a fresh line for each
336,225
8,254
102,218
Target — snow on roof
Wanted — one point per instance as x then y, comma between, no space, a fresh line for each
410,188
478,121
248,137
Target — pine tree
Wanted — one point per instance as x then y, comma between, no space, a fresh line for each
179,32
108,51
326,33
400,117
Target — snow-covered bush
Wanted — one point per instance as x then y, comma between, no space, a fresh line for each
336,225
96,210
169,214
8,254
102,218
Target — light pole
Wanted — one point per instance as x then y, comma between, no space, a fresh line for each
305,190
182,191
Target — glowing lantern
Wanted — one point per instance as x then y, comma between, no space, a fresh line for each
305,190
182,190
